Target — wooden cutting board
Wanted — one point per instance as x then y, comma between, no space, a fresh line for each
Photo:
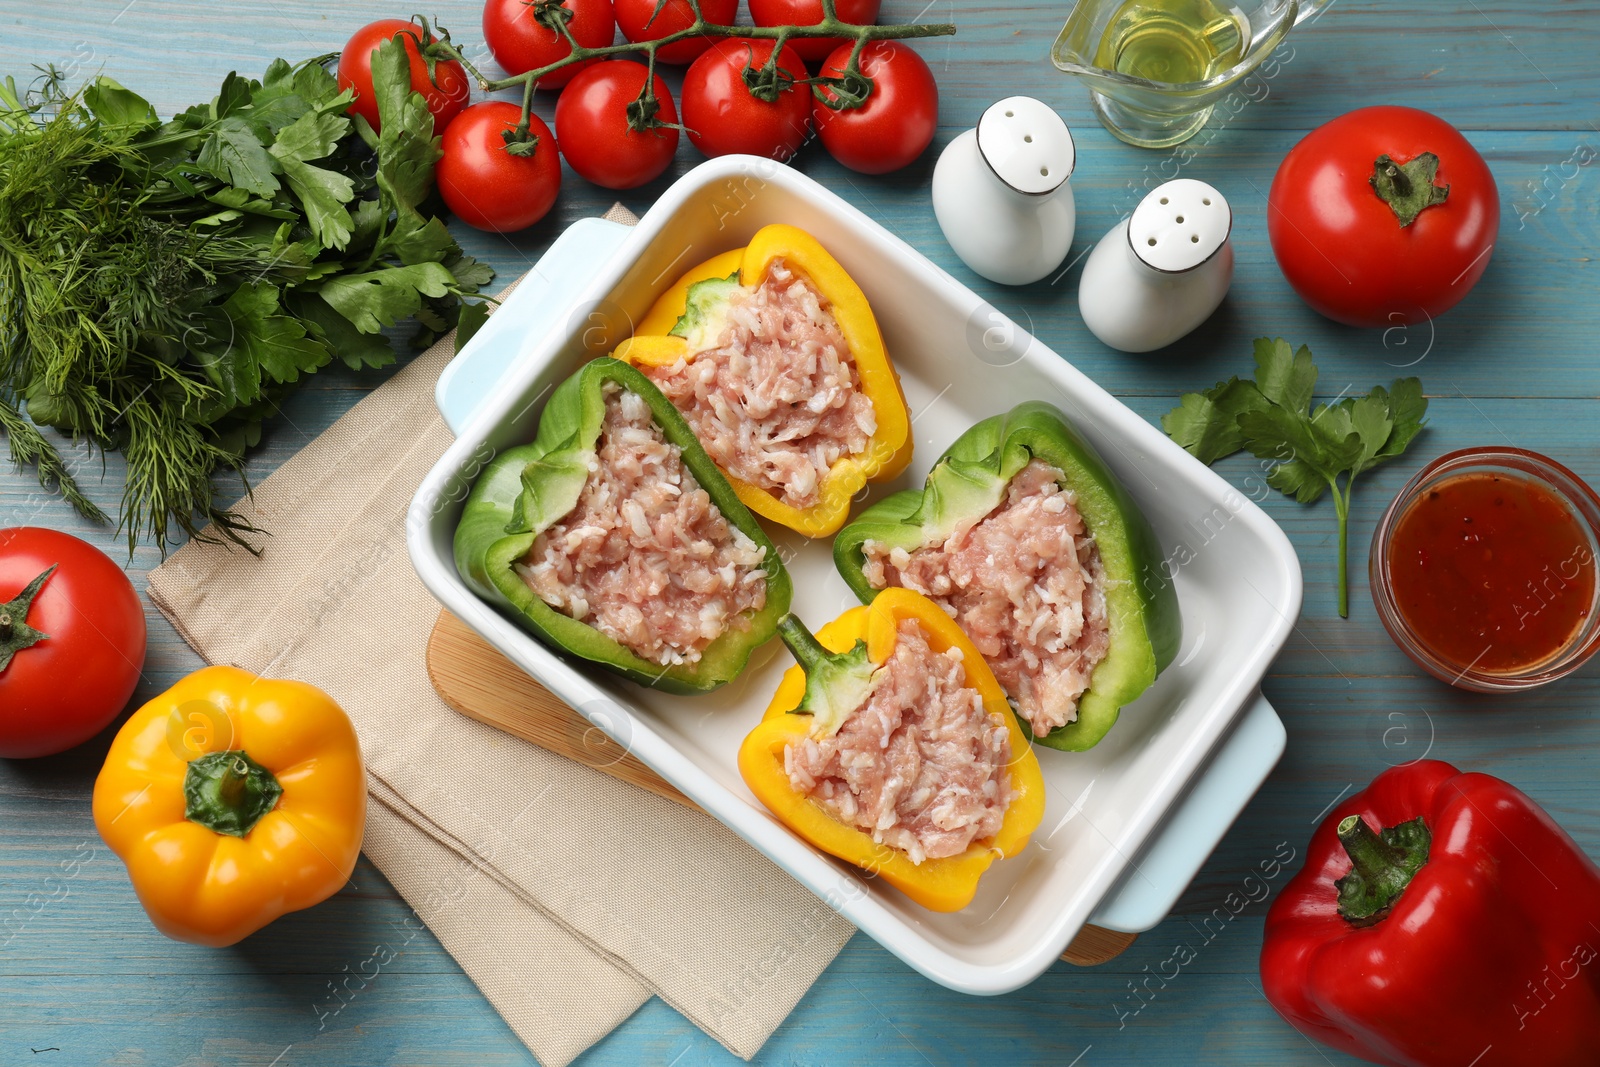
479,682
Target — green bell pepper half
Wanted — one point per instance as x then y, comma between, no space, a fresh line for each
970,480
528,488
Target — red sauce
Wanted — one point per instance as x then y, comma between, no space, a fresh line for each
1492,571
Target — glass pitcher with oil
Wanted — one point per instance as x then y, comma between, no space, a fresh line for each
1156,68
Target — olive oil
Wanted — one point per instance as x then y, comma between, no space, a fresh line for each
1173,40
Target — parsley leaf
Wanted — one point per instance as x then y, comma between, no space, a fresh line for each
1305,452
232,153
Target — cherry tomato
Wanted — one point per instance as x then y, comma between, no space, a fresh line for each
65,688
592,126
720,114
521,37
809,13
639,21
488,186
446,94
1342,246
898,119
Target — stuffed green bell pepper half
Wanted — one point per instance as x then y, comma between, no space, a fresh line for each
1025,537
614,538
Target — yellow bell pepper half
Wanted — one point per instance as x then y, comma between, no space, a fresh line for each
887,453
233,799
937,884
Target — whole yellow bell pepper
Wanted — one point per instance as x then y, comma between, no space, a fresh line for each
830,682
887,453
233,799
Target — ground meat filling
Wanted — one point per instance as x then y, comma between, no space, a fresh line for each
777,402
921,766
1026,584
645,557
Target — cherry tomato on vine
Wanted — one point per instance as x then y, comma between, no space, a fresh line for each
70,655
488,185
639,21
809,13
446,93
523,37
598,138
722,114
898,119
1357,259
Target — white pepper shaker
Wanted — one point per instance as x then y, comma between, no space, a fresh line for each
1001,195
1162,271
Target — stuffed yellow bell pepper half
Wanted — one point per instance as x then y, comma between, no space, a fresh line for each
233,799
842,673
802,406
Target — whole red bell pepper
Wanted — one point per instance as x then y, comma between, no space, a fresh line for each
1441,920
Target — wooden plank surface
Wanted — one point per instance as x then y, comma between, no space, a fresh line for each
84,979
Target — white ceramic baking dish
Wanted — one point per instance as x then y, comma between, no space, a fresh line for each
1128,823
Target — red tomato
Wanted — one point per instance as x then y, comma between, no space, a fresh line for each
720,114
521,41
486,185
446,95
592,126
898,119
809,13
1344,249
639,21
67,687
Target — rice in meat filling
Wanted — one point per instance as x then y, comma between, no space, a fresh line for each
777,401
1027,585
645,557
922,766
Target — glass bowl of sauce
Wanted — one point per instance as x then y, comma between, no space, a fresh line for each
1483,570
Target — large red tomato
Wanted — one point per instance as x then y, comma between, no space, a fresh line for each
721,114
640,21
485,183
898,119
593,126
1353,256
809,13
446,93
75,652
522,37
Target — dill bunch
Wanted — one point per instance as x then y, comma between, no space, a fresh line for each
164,285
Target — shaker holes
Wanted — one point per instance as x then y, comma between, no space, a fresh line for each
1194,239
1151,242
1180,218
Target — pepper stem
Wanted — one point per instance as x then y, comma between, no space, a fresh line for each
803,644
1382,866
837,683
1408,188
228,792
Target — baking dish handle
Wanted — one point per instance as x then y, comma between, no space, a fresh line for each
1174,854
542,298
1220,790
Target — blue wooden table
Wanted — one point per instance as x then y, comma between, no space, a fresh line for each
84,979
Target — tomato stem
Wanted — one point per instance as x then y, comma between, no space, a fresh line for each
830,26
15,633
1408,187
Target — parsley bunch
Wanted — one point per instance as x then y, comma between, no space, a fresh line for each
1271,417
164,285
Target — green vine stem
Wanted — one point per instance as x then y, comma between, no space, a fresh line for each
849,89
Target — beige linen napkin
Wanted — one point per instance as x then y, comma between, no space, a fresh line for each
566,895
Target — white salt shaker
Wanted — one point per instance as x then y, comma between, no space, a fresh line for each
1162,271
1001,195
